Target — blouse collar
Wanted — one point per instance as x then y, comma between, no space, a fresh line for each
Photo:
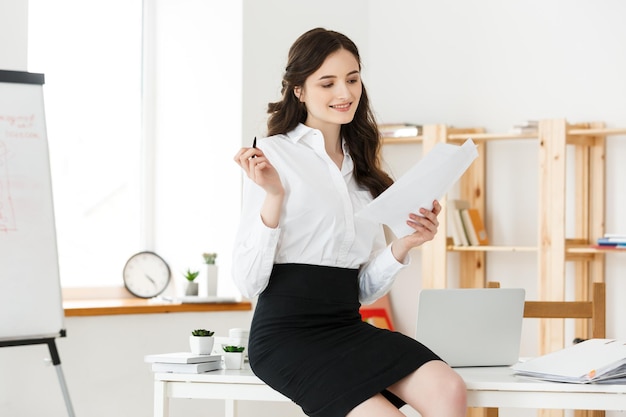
302,130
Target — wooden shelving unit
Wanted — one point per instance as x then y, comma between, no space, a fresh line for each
553,249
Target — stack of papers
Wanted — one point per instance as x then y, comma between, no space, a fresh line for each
430,179
590,361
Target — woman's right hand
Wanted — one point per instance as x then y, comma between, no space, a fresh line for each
259,169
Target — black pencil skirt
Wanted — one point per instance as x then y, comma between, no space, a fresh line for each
308,341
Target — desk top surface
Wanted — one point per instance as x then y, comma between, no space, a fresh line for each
477,379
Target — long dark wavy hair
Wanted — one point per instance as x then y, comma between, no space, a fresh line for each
306,56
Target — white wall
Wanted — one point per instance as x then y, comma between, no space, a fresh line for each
484,63
492,64
13,34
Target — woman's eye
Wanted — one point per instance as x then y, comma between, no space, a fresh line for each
354,81
327,85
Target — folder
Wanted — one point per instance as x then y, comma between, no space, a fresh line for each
590,361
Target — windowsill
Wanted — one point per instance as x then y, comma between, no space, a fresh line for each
109,307
109,301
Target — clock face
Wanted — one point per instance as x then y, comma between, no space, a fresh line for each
146,275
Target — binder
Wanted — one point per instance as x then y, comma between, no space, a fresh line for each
590,361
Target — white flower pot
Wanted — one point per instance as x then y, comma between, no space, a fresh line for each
191,288
208,281
233,360
201,345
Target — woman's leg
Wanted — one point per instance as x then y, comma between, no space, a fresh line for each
434,390
377,406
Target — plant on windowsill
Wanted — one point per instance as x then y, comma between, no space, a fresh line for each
233,356
208,282
201,341
192,287
209,258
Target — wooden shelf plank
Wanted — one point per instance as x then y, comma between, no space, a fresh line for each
491,136
604,131
492,248
75,308
461,137
403,140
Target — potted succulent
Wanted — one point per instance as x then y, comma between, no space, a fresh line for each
208,283
192,287
233,356
201,341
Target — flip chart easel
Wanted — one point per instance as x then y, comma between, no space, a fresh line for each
30,290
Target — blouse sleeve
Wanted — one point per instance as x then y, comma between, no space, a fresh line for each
255,244
377,276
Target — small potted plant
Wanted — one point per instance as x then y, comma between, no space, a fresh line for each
208,283
233,356
201,341
192,287
209,258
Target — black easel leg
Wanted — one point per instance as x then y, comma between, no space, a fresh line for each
56,361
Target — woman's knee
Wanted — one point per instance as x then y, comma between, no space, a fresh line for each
455,386
433,389
447,384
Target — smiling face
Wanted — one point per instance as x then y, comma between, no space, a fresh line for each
332,93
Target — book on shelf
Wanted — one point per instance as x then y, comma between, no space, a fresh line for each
612,240
474,227
187,368
610,243
618,247
590,361
457,230
399,130
181,357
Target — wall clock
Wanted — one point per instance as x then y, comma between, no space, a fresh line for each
146,274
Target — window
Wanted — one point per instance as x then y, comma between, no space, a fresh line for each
90,53
177,190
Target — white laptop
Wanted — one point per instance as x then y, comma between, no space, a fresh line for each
472,327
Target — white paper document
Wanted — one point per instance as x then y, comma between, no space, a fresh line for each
591,361
428,180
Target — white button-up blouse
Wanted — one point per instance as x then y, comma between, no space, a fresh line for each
317,226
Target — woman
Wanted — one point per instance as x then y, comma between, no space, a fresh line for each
312,262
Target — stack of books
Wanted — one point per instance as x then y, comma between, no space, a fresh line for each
466,225
612,241
399,130
184,362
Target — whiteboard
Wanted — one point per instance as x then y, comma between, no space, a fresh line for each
31,304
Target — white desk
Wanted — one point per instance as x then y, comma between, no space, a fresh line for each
486,387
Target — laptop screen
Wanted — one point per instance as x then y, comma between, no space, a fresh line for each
472,327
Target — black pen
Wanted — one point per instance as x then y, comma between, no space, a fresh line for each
254,146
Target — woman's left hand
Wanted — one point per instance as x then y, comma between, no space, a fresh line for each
425,225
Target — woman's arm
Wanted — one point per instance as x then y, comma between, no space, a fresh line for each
259,169
377,276
257,237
